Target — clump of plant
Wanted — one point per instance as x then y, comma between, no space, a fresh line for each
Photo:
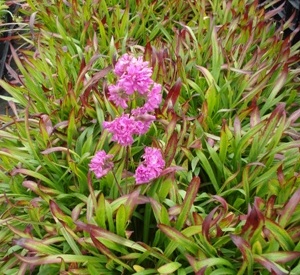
151,138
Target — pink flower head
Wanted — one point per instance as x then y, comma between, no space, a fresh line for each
122,64
143,122
101,164
124,127
154,98
151,167
117,95
136,76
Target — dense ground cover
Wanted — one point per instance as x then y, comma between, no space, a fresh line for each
224,195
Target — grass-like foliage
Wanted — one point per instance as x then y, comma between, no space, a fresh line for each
223,188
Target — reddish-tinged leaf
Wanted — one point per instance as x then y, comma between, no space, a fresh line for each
36,246
95,79
58,258
156,207
171,169
270,207
237,126
171,124
32,174
33,186
148,52
254,115
280,235
245,249
18,232
82,66
102,233
179,238
278,113
293,117
105,251
201,271
196,144
172,95
131,203
270,266
254,222
46,124
76,211
198,220
85,68
294,232
240,71
188,201
222,201
59,215
289,209
210,221
208,76
171,149
274,11
193,264
280,175
55,149
282,257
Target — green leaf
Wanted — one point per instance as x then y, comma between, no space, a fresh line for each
58,258
72,129
35,175
70,241
280,235
245,249
281,257
102,233
121,220
289,209
36,246
179,238
169,268
188,202
208,169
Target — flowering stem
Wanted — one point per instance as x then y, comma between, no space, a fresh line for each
118,185
147,214
126,165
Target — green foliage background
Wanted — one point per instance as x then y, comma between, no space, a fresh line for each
228,202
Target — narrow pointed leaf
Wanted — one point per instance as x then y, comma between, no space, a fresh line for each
280,235
121,221
178,237
289,209
188,201
169,268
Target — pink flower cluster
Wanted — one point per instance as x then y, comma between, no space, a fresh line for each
134,82
101,164
151,167
124,127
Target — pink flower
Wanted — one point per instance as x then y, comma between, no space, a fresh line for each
151,167
118,96
122,64
143,123
154,98
101,164
124,127
153,158
136,75
144,174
